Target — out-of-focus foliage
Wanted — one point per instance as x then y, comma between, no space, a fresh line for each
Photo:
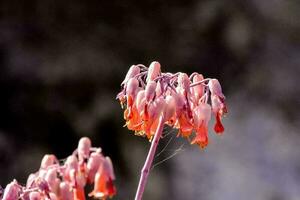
62,62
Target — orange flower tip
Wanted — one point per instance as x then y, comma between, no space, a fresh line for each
202,145
111,188
219,128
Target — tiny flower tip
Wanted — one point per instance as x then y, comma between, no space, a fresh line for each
201,144
219,129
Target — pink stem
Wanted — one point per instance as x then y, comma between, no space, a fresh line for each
148,163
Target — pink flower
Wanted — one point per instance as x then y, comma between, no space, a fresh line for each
202,114
67,181
183,101
12,191
104,181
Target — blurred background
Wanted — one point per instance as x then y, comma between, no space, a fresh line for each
61,64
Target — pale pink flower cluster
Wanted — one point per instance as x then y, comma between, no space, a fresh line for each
185,102
54,181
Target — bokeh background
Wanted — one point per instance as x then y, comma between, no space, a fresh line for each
61,63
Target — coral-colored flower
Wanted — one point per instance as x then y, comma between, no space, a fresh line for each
67,181
202,114
183,102
104,177
219,109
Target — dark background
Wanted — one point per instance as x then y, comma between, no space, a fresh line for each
61,63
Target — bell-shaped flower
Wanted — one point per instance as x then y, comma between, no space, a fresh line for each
93,164
131,91
104,177
184,119
155,109
84,146
202,115
70,164
219,109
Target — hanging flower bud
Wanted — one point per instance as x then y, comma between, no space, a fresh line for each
184,83
218,109
131,90
215,88
11,191
169,111
48,160
109,168
140,101
198,90
93,164
150,91
52,180
30,180
84,146
70,164
153,71
154,110
156,107
202,115
104,181
132,72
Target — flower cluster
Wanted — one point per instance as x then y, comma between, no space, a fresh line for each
54,181
182,100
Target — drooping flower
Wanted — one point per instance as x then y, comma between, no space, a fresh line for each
202,114
67,181
183,102
104,181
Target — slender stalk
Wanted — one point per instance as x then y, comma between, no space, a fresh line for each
148,163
